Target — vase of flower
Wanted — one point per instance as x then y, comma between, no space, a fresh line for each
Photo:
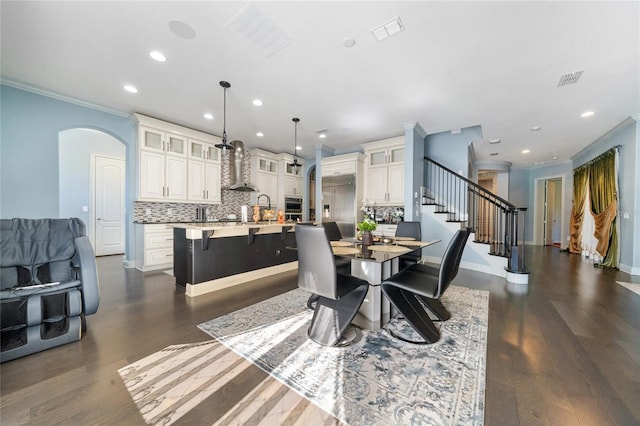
366,226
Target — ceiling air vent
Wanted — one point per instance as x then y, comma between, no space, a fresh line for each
388,29
571,78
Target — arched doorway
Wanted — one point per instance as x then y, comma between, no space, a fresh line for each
91,166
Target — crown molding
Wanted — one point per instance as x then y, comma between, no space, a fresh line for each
57,96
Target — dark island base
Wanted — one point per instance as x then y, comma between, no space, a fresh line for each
195,262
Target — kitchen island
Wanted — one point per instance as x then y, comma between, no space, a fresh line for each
213,256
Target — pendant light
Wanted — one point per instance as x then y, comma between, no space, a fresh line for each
295,163
224,146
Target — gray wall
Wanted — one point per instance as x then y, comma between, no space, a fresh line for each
29,174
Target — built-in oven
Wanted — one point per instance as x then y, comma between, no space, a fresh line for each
293,207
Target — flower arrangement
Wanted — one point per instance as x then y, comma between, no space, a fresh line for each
367,225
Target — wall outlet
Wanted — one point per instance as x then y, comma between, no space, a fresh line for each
148,212
85,208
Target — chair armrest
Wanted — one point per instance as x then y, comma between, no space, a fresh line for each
88,275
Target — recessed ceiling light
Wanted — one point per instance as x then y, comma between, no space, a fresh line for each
257,102
494,141
130,88
525,151
349,42
208,116
298,148
158,56
259,134
322,135
555,157
535,128
587,114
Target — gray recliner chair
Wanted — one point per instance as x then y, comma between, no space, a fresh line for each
48,283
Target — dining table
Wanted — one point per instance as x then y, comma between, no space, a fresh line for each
375,263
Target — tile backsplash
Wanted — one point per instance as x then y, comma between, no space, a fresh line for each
185,212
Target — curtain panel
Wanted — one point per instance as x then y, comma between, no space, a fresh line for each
595,190
580,184
603,193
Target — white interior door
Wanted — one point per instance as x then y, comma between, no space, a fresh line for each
109,205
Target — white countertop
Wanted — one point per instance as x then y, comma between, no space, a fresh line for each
230,229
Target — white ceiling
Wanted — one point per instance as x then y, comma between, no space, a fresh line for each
457,64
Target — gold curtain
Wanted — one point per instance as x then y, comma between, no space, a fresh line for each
604,206
580,181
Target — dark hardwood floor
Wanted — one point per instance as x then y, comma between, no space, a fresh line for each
567,352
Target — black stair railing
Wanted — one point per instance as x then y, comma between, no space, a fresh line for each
493,219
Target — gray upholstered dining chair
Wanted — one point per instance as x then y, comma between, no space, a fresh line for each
418,287
343,265
338,297
410,229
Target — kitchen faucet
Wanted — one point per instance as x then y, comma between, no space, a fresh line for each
268,200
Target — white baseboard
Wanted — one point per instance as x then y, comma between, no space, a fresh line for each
128,264
629,269
193,290
486,269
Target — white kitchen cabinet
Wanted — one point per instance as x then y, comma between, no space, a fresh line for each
264,175
290,178
384,176
154,247
200,150
292,186
267,183
154,139
162,177
166,152
204,182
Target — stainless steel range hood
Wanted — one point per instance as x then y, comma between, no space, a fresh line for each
236,156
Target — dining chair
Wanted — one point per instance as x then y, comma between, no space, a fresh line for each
418,288
338,296
343,265
410,229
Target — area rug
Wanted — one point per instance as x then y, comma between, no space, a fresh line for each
630,286
379,379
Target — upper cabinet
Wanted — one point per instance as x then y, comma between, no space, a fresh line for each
290,178
176,164
344,164
264,175
384,175
153,139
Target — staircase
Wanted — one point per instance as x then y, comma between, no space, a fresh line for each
495,223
